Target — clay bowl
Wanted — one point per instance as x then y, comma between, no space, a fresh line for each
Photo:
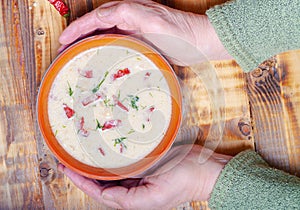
108,173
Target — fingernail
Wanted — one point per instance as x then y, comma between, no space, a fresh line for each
103,12
107,196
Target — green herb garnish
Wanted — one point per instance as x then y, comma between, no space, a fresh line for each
70,91
56,131
64,126
101,82
106,102
98,126
131,131
133,101
119,95
120,141
150,94
143,125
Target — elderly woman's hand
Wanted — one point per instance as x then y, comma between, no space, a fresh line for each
179,178
179,35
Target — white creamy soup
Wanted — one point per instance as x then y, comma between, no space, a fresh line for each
109,106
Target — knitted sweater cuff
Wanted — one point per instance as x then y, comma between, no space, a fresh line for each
253,31
227,34
248,182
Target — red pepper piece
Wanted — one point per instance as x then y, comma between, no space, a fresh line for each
121,148
61,7
149,112
86,73
111,124
151,109
147,75
121,73
101,151
90,99
119,104
69,112
82,130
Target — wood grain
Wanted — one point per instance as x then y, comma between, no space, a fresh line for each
192,5
203,96
273,93
260,107
20,186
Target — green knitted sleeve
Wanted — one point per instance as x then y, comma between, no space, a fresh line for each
247,182
254,30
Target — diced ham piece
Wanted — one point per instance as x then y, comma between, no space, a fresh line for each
90,99
111,124
119,104
69,112
86,73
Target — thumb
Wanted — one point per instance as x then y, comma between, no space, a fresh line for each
97,19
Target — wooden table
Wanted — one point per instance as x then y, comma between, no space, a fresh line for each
261,110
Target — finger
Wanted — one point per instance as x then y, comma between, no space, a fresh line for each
128,183
86,185
84,25
141,197
127,15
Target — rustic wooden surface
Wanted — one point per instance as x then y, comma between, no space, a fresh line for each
261,108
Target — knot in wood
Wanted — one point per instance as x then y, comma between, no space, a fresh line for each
40,32
44,172
47,173
257,73
244,127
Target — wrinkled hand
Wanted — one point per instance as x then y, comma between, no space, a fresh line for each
180,36
181,178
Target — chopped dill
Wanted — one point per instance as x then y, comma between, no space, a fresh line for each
70,91
131,131
133,101
119,95
106,102
101,82
120,141
98,126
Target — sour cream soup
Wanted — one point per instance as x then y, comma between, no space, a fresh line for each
109,107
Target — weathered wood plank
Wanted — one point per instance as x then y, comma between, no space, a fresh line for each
194,6
289,62
29,42
203,97
58,191
274,109
20,187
